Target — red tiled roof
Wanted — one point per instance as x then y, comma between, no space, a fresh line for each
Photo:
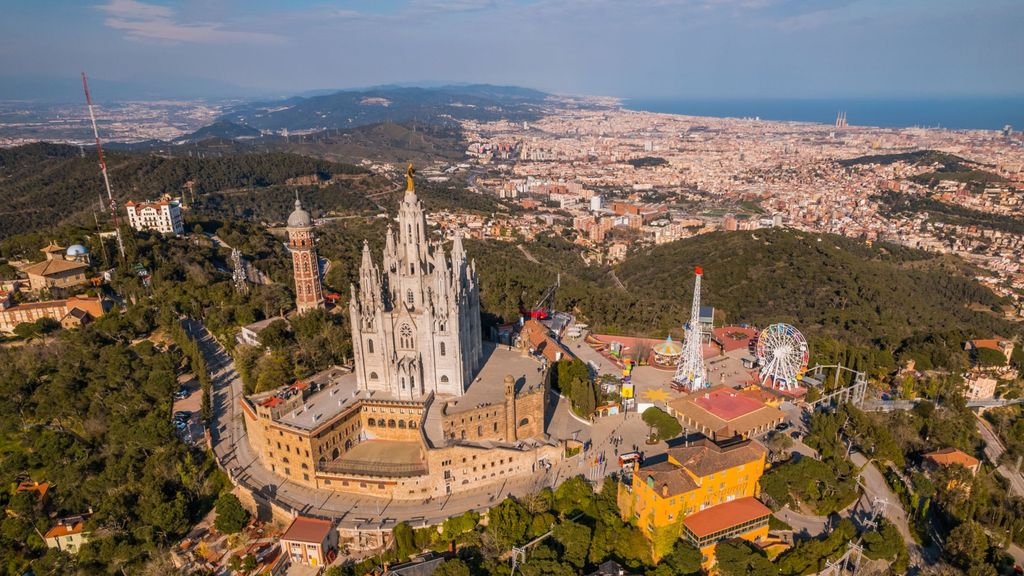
725,516
950,456
66,528
271,402
40,487
726,403
308,530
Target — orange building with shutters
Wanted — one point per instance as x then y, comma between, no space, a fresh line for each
664,492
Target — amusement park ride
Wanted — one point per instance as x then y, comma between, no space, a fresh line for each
781,350
542,309
783,354
690,374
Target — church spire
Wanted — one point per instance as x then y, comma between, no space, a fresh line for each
458,253
369,280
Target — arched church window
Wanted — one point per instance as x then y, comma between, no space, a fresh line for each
403,382
479,431
369,345
444,379
412,382
391,423
442,349
406,333
401,424
373,375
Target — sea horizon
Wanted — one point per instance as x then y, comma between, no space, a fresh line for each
966,113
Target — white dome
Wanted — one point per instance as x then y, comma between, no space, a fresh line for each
299,218
77,250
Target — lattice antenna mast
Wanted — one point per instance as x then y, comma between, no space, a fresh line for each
103,166
238,275
690,373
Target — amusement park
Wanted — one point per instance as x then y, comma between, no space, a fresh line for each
770,364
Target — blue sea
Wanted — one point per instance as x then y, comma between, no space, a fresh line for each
956,113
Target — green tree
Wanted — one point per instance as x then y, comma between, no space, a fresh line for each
508,522
277,335
739,558
453,567
572,496
684,559
667,426
275,370
405,540
574,540
966,545
231,516
987,357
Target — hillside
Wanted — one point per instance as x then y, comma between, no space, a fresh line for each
915,157
220,130
349,109
384,142
44,185
884,298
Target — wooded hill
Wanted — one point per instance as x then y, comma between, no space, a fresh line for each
888,301
352,108
42,184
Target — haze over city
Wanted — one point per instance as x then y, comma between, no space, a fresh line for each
643,49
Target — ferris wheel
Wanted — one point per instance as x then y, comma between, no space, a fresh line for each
783,353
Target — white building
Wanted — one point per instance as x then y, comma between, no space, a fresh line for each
163,216
416,327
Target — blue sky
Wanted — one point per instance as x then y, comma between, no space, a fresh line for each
629,48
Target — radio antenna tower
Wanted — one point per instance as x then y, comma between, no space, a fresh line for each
238,275
690,373
103,167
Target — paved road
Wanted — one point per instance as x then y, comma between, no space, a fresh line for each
803,524
875,486
231,448
993,451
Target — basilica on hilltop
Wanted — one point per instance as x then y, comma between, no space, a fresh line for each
428,408
416,327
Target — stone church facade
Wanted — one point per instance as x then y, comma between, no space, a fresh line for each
416,326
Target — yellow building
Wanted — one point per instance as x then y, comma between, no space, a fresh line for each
689,479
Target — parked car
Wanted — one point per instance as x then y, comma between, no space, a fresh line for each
182,393
182,415
783,427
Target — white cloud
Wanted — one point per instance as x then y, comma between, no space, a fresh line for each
142,21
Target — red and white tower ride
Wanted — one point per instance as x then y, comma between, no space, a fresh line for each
690,373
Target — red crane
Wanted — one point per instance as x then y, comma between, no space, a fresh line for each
544,307
103,166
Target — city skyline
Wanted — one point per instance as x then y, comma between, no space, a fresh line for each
654,49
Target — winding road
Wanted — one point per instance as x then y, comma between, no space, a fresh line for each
232,449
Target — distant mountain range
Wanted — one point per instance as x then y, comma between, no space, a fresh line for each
386,141
353,108
384,123
220,129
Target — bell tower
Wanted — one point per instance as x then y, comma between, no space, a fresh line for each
305,264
